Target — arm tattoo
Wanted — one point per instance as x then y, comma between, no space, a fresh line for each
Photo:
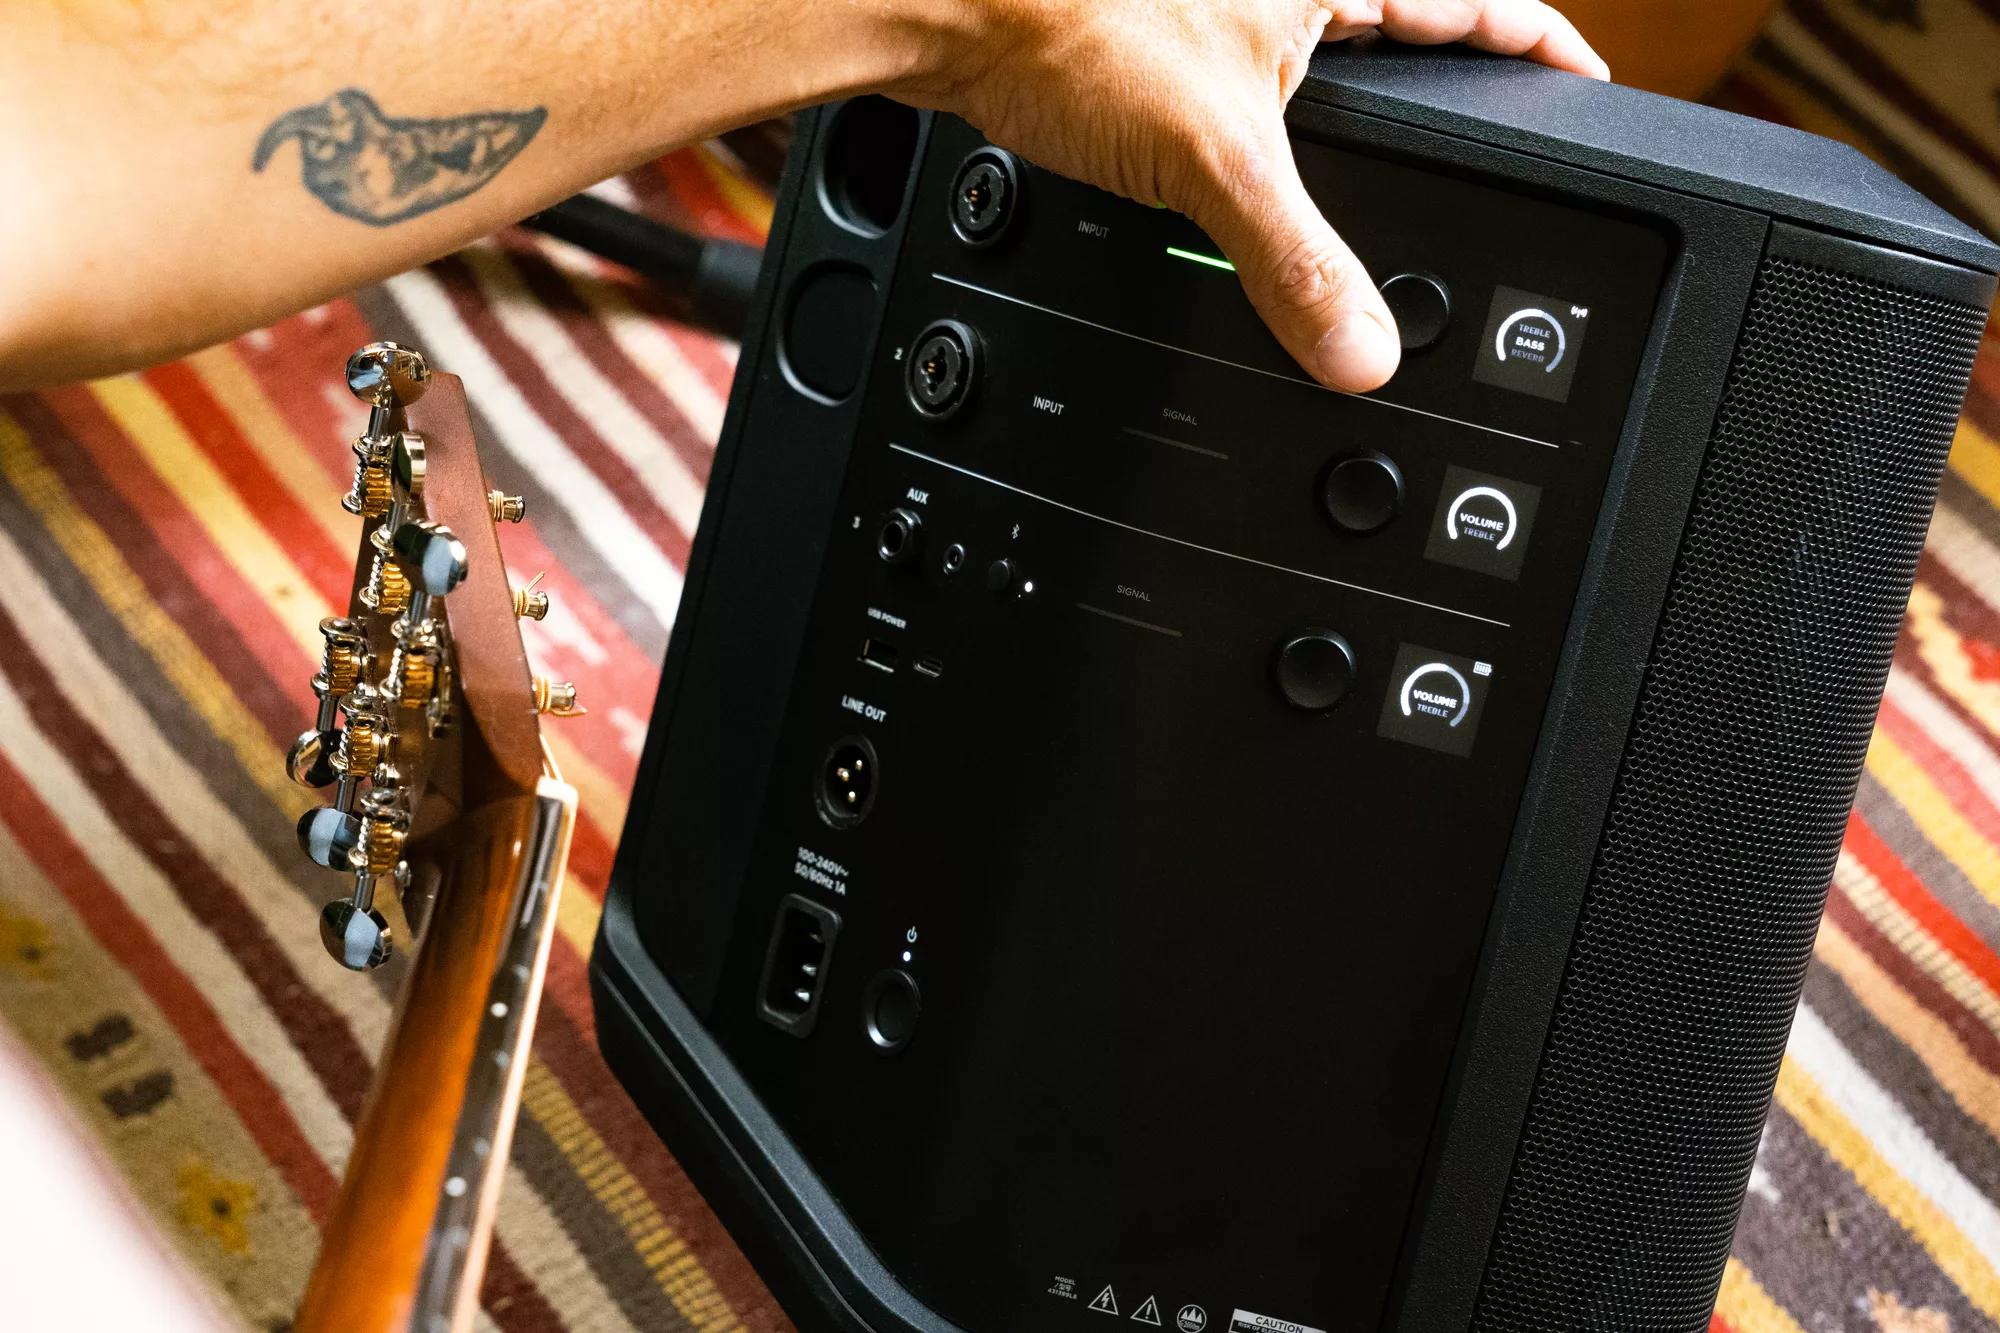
380,170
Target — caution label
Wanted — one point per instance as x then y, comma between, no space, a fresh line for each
1243,1321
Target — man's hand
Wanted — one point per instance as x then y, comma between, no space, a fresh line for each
177,173
1181,102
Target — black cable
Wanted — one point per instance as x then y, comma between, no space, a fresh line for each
716,276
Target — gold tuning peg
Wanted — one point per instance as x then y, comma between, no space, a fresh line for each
311,760
414,667
530,604
340,664
361,746
557,698
506,508
384,826
373,492
388,588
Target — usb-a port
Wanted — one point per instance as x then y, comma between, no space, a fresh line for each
880,655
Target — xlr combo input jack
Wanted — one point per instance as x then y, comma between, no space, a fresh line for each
942,367
985,196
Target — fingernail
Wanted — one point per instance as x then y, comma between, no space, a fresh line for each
1357,354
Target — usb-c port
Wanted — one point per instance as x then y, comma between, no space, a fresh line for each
929,666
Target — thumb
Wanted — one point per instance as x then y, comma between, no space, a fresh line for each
1310,288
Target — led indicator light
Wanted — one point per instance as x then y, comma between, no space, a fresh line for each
1213,261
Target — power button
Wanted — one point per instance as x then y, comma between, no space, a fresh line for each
889,1009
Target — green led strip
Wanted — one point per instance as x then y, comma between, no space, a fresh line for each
1213,261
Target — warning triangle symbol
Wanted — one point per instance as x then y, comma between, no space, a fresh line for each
1149,1313
1105,1303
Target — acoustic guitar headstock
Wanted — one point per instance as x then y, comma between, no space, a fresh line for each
427,710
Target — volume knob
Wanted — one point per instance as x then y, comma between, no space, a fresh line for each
1362,493
1314,670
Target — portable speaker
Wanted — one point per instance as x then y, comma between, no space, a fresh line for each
1127,833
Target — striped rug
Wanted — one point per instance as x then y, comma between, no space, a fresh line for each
169,540
168,543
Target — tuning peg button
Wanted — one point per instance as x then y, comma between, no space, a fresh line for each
407,463
357,937
434,558
310,760
327,835
385,374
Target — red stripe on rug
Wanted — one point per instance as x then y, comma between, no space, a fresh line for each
708,208
1966,613
1953,935
324,1041
714,356
177,537
1944,770
557,291
511,1297
565,1043
592,849
322,414
178,534
253,1097
1978,1039
323,1037
272,703
526,371
330,571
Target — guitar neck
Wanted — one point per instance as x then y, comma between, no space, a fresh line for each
406,1244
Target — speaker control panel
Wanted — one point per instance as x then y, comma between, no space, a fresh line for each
1160,729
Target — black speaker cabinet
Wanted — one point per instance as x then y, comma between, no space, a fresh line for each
1130,838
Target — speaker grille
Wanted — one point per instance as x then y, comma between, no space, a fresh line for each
1729,810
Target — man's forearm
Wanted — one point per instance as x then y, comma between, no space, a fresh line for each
175,174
